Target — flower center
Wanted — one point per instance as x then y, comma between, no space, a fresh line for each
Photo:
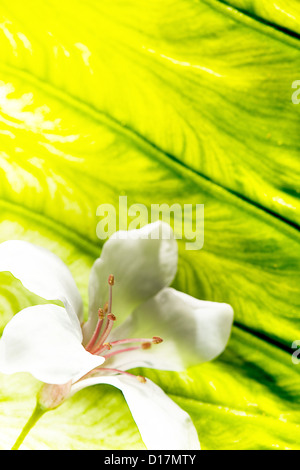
98,343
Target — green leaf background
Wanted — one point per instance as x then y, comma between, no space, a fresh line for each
167,101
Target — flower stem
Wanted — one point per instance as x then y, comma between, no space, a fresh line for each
36,415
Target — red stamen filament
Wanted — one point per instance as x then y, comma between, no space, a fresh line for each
97,344
109,324
118,371
93,339
132,340
110,298
119,351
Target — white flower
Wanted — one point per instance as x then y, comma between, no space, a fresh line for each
56,347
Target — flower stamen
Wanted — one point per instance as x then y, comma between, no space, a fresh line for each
140,378
154,340
157,340
101,316
97,344
108,327
111,282
119,351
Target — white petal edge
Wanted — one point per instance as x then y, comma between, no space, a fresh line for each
163,425
143,261
193,331
44,274
41,340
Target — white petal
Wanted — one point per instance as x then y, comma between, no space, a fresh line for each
43,273
41,340
142,261
163,424
193,331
